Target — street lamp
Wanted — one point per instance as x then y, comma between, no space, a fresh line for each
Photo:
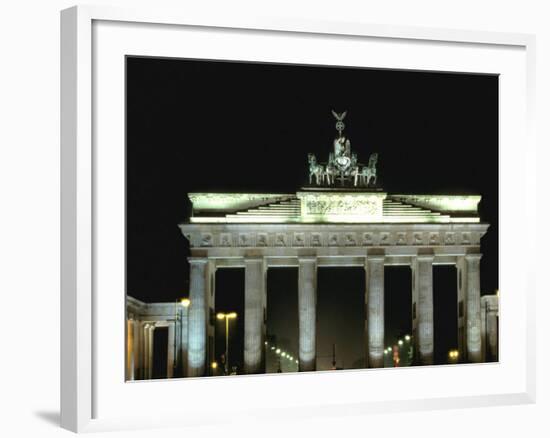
227,317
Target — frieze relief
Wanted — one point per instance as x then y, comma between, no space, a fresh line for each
316,239
385,238
206,239
434,239
280,239
368,239
245,239
299,239
261,239
225,239
401,239
350,239
418,239
450,239
332,239
346,205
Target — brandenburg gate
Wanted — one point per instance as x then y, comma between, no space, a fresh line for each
342,218
332,227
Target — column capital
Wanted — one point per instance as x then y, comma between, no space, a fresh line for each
307,259
473,257
425,257
375,258
254,259
198,259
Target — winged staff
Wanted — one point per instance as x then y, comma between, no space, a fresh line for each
339,121
340,116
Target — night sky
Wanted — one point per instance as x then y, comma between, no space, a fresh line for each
233,126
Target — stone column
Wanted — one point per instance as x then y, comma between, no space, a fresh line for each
145,352
210,315
492,336
129,349
374,301
254,324
148,351
151,350
414,310
184,340
460,296
171,351
307,307
473,308
136,327
140,374
484,312
424,336
196,357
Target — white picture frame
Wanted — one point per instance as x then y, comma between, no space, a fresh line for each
92,41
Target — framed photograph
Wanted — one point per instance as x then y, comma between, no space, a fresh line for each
316,218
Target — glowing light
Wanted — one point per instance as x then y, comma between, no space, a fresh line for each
278,351
453,354
273,348
185,302
407,338
214,365
220,316
400,342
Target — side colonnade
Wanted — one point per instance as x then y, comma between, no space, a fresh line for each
143,319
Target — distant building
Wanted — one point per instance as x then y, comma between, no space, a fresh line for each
143,319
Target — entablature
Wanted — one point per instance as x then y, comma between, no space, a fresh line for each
285,236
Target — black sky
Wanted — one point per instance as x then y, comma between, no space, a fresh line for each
232,126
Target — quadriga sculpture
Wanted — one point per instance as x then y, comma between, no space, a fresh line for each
315,169
368,172
331,171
